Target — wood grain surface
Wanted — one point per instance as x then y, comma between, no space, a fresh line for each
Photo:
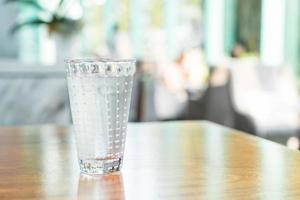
167,160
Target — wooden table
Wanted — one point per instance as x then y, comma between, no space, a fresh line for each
171,160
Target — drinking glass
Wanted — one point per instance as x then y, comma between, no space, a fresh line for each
100,93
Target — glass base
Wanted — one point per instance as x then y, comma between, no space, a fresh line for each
100,166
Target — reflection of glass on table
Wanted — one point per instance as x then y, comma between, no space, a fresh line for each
104,187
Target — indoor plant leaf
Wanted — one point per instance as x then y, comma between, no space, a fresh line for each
60,3
30,22
29,2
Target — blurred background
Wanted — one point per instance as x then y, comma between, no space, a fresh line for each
233,62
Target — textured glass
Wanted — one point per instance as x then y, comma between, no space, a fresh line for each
100,92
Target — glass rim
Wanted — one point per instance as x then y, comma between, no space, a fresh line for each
104,67
99,60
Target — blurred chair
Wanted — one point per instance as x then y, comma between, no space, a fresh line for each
137,95
142,98
267,94
216,103
33,94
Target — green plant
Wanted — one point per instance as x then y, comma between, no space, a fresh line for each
56,21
